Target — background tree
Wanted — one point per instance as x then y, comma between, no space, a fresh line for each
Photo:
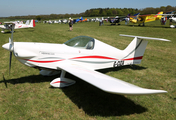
38,18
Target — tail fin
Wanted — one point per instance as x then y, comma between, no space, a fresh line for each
160,12
158,16
135,50
136,14
32,23
27,22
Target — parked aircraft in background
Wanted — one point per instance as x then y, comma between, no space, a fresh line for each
118,19
171,17
173,20
79,19
142,19
8,25
82,56
84,20
64,21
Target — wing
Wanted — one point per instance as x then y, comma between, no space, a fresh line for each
106,83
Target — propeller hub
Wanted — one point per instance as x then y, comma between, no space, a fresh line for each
8,47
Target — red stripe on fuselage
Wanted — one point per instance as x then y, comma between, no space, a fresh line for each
93,57
96,57
135,58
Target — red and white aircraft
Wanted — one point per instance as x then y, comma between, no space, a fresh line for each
82,56
8,25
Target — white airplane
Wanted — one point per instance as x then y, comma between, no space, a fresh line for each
64,21
8,25
172,19
82,56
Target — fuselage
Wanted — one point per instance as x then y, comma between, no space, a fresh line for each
47,55
81,50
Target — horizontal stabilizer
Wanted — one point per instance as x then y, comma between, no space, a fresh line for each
141,37
104,82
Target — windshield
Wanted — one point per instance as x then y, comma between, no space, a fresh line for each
84,42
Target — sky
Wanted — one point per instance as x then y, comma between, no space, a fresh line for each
47,7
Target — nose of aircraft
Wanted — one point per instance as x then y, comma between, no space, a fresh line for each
8,47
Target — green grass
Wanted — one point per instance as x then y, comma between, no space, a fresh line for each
28,95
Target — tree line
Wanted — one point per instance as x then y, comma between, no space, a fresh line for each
99,12
126,11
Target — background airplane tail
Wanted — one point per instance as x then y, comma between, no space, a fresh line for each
135,50
32,23
136,15
27,22
158,17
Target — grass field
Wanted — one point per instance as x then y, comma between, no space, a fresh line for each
29,96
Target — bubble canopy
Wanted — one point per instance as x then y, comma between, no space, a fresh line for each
84,42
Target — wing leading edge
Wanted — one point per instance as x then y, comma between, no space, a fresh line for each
106,83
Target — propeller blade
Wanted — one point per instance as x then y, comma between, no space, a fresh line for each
12,46
10,41
10,62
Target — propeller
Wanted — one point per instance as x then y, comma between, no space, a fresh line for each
10,59
11,47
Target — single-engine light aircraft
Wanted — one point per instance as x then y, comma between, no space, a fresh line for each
172,19
118,19
82,56
8,25
142,19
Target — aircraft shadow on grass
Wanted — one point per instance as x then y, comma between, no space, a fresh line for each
28,79
133,67
96,102
40,78
90,99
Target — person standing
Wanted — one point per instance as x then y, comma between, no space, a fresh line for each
100,22
71,24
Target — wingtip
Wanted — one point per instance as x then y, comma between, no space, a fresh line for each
138,91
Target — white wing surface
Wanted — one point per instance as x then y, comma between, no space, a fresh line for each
106,83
